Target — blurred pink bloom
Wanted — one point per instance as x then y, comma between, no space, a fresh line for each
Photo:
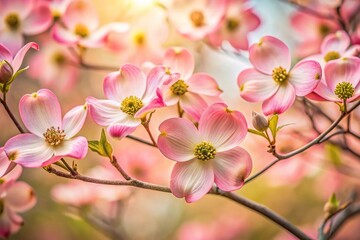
342,78
196,19
208,154
239,20
56,71
271,79
145,39
15,197
130,96
10,65
22,17
80,26
313,30
78,193
50,137
192,91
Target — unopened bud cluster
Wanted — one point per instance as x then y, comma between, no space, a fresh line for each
259,122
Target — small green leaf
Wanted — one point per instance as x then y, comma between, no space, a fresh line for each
102,147
273,122
333,153
105,145
333,200
253,131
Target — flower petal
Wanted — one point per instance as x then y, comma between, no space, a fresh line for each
5,54
74,148
19,57
74,120
305,76
20,197
255,86
180,60
191,179
40,111
224,128
342,70
129,81
178,139
193,104
28,150
203,84
323,93
124,127
81,11
5,164
64,36
12,40
231,168
282,100
38,21
268,54
338,41
105,112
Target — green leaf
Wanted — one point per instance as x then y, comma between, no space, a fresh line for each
102,147
273,122
253,131
105,145
333,153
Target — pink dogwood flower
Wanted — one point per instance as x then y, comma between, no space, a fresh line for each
5,164
193,92
342,81
15,197
80,26
22,17
9,65
239,20
197,19
272,81
130,96
207,154
50,137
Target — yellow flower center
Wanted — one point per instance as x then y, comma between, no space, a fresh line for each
81,30
139,38
131,105
344,90
59,58
279,74
179,87
324,30
54,136
12,21
197,18
232,24
204,151
332,55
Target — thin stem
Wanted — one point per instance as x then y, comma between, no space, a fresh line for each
115,163
140,140
11,115
309,10
262,171
70,169
348,213
266,212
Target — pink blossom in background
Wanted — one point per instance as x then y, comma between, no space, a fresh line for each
10,65
80,26
342,78
196,19
130,96
239,20
57,69
272,81
22,17
208,154
50,137
312,30
15,197
193,92
145,39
